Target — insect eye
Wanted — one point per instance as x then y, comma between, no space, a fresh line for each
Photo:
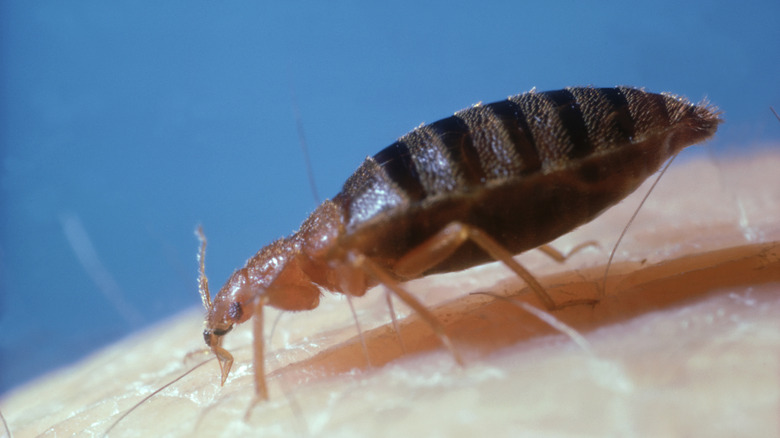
235,311
219,332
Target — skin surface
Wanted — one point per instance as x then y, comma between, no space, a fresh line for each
685,342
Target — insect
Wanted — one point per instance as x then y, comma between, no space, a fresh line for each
485,184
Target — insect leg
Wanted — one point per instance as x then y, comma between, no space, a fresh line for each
258,358
360,330
382,276
394,319
449,239
261,388
561,257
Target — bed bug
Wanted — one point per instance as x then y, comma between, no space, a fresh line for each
487,183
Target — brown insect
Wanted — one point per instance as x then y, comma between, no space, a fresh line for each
487,183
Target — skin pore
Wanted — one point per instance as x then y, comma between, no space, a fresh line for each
684,342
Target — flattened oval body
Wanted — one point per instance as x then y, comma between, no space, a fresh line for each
507,176
525,170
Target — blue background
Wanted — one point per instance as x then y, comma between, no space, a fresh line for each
130,122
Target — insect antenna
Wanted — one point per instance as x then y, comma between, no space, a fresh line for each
775,113
630,221
155,392
205,295
203,281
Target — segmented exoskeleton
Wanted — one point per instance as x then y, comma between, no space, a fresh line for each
489,182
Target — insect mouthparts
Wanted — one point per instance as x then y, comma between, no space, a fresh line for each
219,332
210,335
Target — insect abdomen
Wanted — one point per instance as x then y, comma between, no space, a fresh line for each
526,169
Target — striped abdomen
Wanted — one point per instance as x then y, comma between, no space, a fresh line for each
526,169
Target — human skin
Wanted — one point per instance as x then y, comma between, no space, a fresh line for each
684,341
